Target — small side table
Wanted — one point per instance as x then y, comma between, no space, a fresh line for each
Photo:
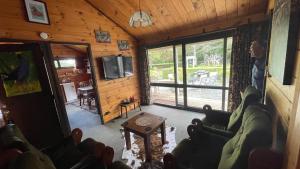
125,105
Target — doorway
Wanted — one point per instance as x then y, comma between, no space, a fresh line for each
76,84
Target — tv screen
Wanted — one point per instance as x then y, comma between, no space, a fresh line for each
127,65
111,67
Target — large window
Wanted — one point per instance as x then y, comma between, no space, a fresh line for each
191,74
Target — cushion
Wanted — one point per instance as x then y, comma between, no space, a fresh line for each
250,95
31,160
255,131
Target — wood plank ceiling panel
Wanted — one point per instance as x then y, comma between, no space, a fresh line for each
221,9
243,7
176,15
231,8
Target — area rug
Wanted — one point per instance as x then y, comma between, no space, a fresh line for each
85,106
135,157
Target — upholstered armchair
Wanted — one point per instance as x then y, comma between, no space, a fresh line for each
213,151
226,123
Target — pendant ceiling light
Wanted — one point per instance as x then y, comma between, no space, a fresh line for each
140,18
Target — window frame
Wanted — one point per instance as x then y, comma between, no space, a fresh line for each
183,42
57,60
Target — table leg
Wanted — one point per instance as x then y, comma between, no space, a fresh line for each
80,101
126,112
163,133
127,139
140,106
147,143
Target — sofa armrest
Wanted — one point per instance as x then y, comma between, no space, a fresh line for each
198,132
90,146
264,158
216,116
7,155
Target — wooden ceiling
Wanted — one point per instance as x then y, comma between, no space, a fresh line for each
176,15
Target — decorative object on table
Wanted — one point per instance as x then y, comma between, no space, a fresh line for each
102,36
135,156
19,73
37,12
140,18
123,44
284,39
127,103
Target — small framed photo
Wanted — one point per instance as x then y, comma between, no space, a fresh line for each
37,12
103,37
123,44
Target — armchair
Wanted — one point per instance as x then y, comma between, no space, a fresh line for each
215,151
226,123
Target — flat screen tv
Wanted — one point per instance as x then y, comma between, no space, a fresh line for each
111,67
127,65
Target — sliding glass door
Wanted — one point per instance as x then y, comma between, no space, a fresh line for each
190,75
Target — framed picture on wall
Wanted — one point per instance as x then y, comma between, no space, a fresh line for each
37,12
283,44
123,44
19,73
102,37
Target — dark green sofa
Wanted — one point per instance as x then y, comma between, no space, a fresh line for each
208,150
226,123
69,153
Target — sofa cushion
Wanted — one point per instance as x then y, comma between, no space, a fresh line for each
255,131
250,95
31,160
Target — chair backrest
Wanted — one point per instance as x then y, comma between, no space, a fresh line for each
251,96
255,132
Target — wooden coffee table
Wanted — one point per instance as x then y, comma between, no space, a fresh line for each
150,123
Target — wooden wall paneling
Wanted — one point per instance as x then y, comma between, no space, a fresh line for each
231,8
221,9
200,10
73,21
243,7
258,5
210,9
196,31
179,15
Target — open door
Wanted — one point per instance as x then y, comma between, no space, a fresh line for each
25,89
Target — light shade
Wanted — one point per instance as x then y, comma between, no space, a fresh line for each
140,19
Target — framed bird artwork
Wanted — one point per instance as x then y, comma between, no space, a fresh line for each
18,73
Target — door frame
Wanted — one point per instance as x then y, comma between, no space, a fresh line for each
56,80
53,78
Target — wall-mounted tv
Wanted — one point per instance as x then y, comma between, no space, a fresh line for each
117,66
110,67
127,65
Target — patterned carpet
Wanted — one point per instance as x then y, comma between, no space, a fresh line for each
135,157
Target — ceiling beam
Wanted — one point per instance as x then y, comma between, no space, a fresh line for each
124,29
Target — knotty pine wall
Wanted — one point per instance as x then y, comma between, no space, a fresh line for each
284,99
75,21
